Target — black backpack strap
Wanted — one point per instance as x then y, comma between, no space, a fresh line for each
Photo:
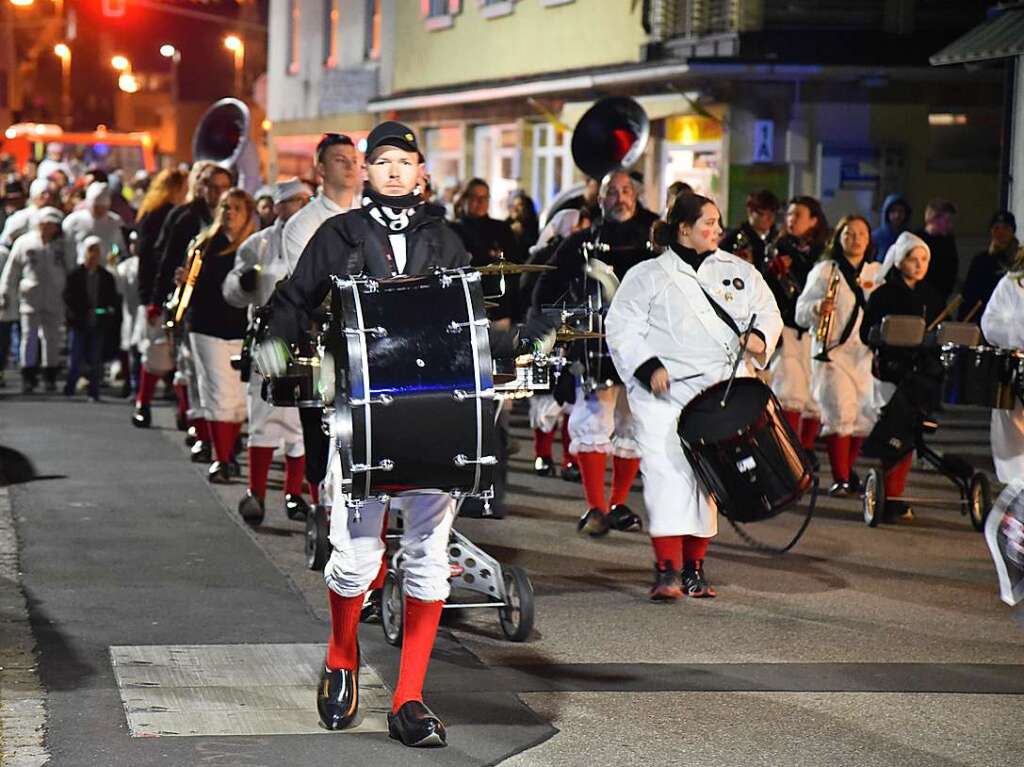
723,315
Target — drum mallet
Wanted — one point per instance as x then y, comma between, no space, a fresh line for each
744,340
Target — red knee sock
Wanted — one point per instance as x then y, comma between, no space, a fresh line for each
624,471
839,456
856,443
592,466
567,456
202,427
314,493
668,548
147,385
224,434
341,647
542,443
259,468
809,428
694,548
421,619
896,477
793,419
181,392
294,474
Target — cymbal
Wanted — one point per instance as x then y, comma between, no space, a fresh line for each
491,305
508,267
568,334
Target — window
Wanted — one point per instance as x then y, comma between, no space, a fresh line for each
552,163
446,162
330,31
439,14
371,46
294,37
496,161
492,9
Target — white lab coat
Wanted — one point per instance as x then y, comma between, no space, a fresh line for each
269,426
791,373
1003,325
108,227
127,275
843,388
303,225
660,311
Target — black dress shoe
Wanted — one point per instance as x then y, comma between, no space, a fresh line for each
219,473
191,436
142,417
251,509
622,518
416,725
296,508
594,523
543,467
839,489
571,473
200,452
337,698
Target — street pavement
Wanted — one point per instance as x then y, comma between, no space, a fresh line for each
860,647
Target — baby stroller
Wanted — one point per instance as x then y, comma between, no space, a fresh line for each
918,367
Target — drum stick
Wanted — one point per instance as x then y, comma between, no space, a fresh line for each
950,308
736,363
972,312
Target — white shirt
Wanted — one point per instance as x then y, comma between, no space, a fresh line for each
303,225
398,248
80,224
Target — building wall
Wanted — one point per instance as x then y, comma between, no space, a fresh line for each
535,38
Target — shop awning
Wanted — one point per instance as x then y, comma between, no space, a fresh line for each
998,38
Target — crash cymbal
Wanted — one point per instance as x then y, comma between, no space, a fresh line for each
566,335
508,267
491,305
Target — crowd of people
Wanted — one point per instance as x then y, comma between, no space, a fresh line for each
164,277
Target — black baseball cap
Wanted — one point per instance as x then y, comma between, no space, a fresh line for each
1004,217
391,133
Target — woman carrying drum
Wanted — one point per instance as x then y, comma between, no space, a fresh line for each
832,304
217,328
1001,323
902,292
670,342
790,260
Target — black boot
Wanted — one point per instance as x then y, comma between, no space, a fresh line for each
694,583
219,473
571,473
622,518
416,725
142,417
296,508
50,377
200,452
29,380
251,509
337,697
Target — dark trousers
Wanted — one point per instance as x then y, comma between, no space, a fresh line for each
317,444
6,329
85,358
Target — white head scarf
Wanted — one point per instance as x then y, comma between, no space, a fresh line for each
899,250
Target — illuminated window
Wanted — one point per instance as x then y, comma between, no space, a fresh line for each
294,37
439,14
330,30
552,163
371,48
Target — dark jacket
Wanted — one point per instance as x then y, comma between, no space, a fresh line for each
986,269
745,242
182,225
894,296
148,228
483,237
886,234
945,263
82,314
787,286
353,243
208,312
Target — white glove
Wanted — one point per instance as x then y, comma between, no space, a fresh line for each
271,357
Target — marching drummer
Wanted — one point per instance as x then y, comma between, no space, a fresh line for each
259,265
841,382
1001,324
672,332
393,233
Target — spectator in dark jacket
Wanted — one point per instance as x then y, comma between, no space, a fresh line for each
91,302
895,220
989,266
750,239
938,235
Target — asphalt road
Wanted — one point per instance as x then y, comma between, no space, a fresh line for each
861,647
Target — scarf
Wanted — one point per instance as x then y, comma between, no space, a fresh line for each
395,214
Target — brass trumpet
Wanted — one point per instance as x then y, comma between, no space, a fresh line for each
827,319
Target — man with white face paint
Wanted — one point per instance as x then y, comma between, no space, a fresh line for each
600,422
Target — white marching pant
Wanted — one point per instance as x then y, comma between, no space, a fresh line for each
154,346
545,412
185,375
602,423
271,426
1008,443
844,390
40,339
221,391
791,373
675,499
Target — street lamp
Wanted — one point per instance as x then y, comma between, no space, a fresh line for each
128,82
21,3
121,63
234,44
168,51
63,52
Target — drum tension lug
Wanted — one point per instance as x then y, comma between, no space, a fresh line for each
377,332
380,399
386,464
486,460
456,327
461,394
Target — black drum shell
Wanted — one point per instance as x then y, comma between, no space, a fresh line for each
982,375
746,454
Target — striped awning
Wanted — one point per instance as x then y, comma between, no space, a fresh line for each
998,38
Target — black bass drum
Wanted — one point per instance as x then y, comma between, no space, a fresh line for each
415,400
746,454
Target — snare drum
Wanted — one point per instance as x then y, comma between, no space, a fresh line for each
746,454
415,398
298,387
982,375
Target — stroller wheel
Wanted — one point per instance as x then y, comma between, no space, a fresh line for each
317,541
874,497
391,608
979,500
516,617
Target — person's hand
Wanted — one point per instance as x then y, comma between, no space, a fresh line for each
825,306
659,381
247,280
271,357
179,275
755,345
